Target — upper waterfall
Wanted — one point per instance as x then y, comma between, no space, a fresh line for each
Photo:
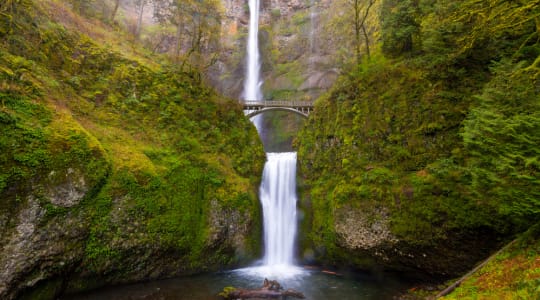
252,83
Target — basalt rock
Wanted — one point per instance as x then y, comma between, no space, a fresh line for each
295,62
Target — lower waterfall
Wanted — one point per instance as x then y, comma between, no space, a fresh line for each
278,199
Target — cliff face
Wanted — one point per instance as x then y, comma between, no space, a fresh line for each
304,47
299,60
113,169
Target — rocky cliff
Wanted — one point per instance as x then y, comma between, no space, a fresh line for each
304,47
300,48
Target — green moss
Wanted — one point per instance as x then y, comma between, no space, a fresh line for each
513,274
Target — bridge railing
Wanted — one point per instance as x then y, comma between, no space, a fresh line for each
278,103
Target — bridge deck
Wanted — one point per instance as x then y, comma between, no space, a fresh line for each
256,107
277,103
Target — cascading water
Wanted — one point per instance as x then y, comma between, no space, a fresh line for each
278,187
252,83
278,198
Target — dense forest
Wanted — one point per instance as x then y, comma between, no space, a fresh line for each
123,158
431,142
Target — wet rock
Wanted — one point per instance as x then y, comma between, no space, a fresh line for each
70,189
38,248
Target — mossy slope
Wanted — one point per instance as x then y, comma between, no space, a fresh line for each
434,140
513,274
149,173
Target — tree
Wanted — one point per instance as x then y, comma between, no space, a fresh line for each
399,26
361,11
81,6
502,136
198,27
350,25
115,9
140,4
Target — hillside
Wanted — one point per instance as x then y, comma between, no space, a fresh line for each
512,274
424,158
117,166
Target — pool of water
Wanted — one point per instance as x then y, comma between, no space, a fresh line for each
315,284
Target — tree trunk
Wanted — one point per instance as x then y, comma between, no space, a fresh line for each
366,38
357,26
115,10
178,40
139,20
361,25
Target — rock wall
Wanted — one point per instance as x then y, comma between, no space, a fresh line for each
297,63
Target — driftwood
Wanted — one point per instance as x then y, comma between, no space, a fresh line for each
271,289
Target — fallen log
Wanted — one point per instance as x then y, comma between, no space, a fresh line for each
263,294
271,289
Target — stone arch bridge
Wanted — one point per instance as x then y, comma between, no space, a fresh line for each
254,108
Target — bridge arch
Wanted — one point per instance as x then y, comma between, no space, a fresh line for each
253,113
254,108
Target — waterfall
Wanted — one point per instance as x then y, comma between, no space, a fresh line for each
278,198
252,83
278,188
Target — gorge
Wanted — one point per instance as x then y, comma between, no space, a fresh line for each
123,161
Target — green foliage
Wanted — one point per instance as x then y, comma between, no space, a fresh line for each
198,25
443,132
13,14
276,13
513,274
399,27
501,135
157,150
227,291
